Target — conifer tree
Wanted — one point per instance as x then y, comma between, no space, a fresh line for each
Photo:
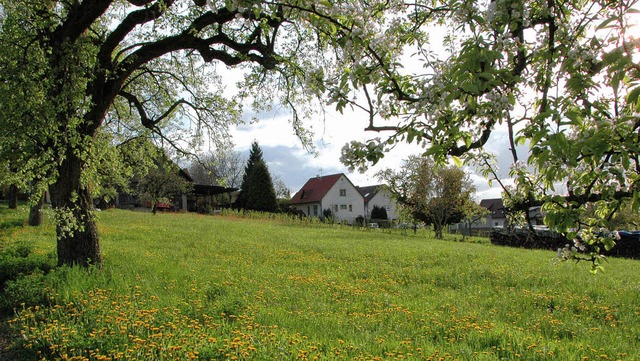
257,192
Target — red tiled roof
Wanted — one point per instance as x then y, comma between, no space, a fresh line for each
315,189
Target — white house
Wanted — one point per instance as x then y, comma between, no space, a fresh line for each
334,192
377,196
497,217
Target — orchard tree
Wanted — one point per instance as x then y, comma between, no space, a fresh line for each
561,79
431,193
281,188
161,184
223,168
72,68
472,212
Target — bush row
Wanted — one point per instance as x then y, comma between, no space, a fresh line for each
628,245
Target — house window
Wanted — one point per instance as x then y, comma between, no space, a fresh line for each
315,210
350,208
343,193
343,206
335,208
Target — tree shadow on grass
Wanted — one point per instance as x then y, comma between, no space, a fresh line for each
11,223
10,345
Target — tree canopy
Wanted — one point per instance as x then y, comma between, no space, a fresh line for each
560,79
428,193
161,183
71,69
223,168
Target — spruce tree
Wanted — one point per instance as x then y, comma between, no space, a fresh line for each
257,192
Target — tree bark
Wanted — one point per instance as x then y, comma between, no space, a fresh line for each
13,196
35,212
77,233
437,228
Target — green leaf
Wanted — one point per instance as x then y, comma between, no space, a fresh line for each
633,98
470,88
606,23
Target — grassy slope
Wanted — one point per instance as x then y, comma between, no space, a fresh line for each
178,285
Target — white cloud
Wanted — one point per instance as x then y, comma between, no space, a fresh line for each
287,158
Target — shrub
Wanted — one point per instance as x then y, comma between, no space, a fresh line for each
20,261
24,291
21,276
379,213
327,215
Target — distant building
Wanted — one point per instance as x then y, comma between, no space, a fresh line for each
377,196
497,217
202,198
482,226
334,192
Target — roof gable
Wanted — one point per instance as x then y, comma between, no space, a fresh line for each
368,192
316,188
495,205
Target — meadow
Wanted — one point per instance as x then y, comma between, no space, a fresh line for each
185,286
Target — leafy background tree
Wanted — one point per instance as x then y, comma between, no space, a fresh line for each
161,184
429,193
221,168
472,212
257,192
283,194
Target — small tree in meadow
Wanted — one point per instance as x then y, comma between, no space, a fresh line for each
430,194
160,184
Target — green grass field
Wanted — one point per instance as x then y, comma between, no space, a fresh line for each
184,286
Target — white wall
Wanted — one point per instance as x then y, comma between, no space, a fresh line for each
309,208
382,199
352,201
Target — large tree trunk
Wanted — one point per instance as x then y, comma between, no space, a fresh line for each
13,196
437,228
76,229
35,212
